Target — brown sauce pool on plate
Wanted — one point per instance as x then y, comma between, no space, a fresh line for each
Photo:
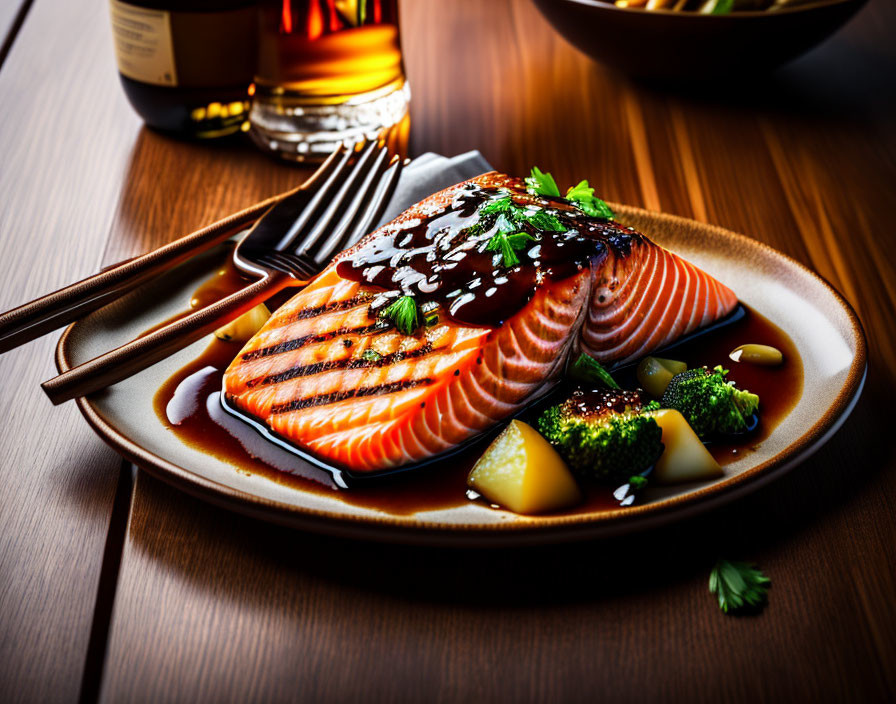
188,405
187,401
226,280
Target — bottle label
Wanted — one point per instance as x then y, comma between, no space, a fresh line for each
143,44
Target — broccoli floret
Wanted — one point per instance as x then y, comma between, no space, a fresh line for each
604,434
711,405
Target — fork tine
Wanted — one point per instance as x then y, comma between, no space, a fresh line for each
377,205
338,240
297,267
339,202
309,212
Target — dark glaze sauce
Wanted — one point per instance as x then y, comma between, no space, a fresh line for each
442,258
188,404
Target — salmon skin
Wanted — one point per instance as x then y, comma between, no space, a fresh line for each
333,376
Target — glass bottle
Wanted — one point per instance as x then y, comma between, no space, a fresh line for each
186,65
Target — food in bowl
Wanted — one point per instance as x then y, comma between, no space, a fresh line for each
713,7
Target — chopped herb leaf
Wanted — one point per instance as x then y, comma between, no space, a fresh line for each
506,241
512,217
498,206
541,184
581,191
722,7
370,355
518,240
583,196
542,220
738,585
404,314
589,370
637,482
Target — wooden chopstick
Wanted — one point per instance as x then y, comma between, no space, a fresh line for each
53,311
126,360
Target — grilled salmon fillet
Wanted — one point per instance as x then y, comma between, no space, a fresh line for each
332,375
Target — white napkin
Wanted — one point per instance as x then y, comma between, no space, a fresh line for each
429,173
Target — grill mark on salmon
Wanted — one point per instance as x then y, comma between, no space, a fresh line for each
336,396
350,363
304,374
332,307
294,344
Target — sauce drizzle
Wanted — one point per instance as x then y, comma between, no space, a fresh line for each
442,258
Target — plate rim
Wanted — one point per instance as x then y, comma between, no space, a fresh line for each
531,530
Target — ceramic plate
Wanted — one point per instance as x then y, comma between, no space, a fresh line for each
821,324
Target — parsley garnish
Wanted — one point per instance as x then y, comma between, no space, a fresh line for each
511,220
498,206
583,196
543,220
404,314
370,355
589,370
507,241
738,585
541,184
520,214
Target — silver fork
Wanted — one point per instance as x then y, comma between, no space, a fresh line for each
284,248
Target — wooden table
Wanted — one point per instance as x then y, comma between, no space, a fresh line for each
114,586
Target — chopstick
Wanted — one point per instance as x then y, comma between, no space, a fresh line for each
126,360
53,311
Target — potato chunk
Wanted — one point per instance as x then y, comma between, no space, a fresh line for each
685,458
521,471
655,373
244,327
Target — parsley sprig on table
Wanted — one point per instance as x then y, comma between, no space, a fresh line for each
581,195
738,585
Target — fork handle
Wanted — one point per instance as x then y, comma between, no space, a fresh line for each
137,355
25,323
45,314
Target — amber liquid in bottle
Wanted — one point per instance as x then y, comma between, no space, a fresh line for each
186,65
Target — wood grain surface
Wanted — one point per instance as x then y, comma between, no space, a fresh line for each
65,133
197,604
